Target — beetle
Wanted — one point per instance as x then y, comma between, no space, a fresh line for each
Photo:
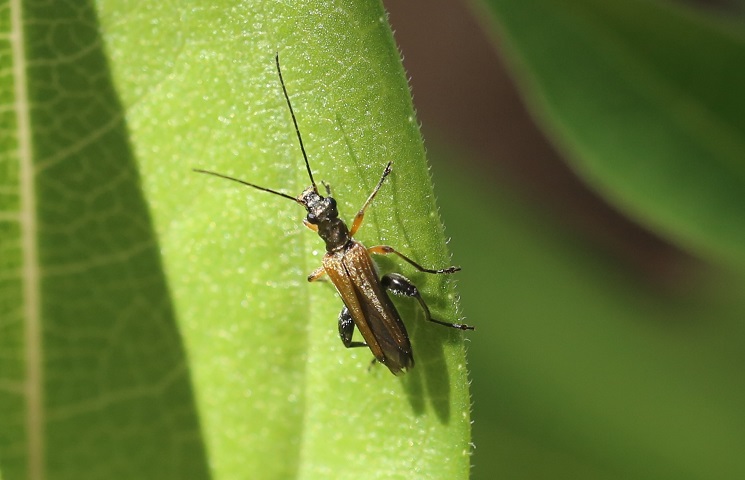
349,266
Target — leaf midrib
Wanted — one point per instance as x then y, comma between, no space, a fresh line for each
30,275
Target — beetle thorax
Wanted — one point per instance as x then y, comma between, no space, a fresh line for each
322,213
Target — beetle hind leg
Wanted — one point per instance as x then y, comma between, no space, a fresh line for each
400,285
346,329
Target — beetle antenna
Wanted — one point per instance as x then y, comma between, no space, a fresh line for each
248,184
294,120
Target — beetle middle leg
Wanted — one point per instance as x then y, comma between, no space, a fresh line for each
385,250
346,329
400,285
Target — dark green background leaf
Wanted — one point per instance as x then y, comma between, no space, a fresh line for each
581,369
594,366
646,99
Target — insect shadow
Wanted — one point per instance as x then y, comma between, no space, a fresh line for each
431,376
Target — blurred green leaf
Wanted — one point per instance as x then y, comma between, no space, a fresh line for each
581,368
123,101
646,99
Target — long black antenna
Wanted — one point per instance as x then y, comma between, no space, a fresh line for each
294,120
248,184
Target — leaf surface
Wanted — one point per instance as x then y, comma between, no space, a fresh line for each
175,335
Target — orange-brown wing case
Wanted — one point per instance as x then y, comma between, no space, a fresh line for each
353,273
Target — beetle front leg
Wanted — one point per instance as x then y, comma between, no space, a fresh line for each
317,274
346,329
361,214
400,285
310,225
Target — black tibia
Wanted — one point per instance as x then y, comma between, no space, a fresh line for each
400,285
346,329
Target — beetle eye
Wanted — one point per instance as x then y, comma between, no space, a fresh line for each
312,219
331,210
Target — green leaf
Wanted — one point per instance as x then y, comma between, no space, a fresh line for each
157,323
645,97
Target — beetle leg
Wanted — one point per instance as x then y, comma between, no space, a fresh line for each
385,250
400,285
328,188
310,225
372,364
346,329
361,214
316,274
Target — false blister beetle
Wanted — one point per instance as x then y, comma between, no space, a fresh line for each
348,265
